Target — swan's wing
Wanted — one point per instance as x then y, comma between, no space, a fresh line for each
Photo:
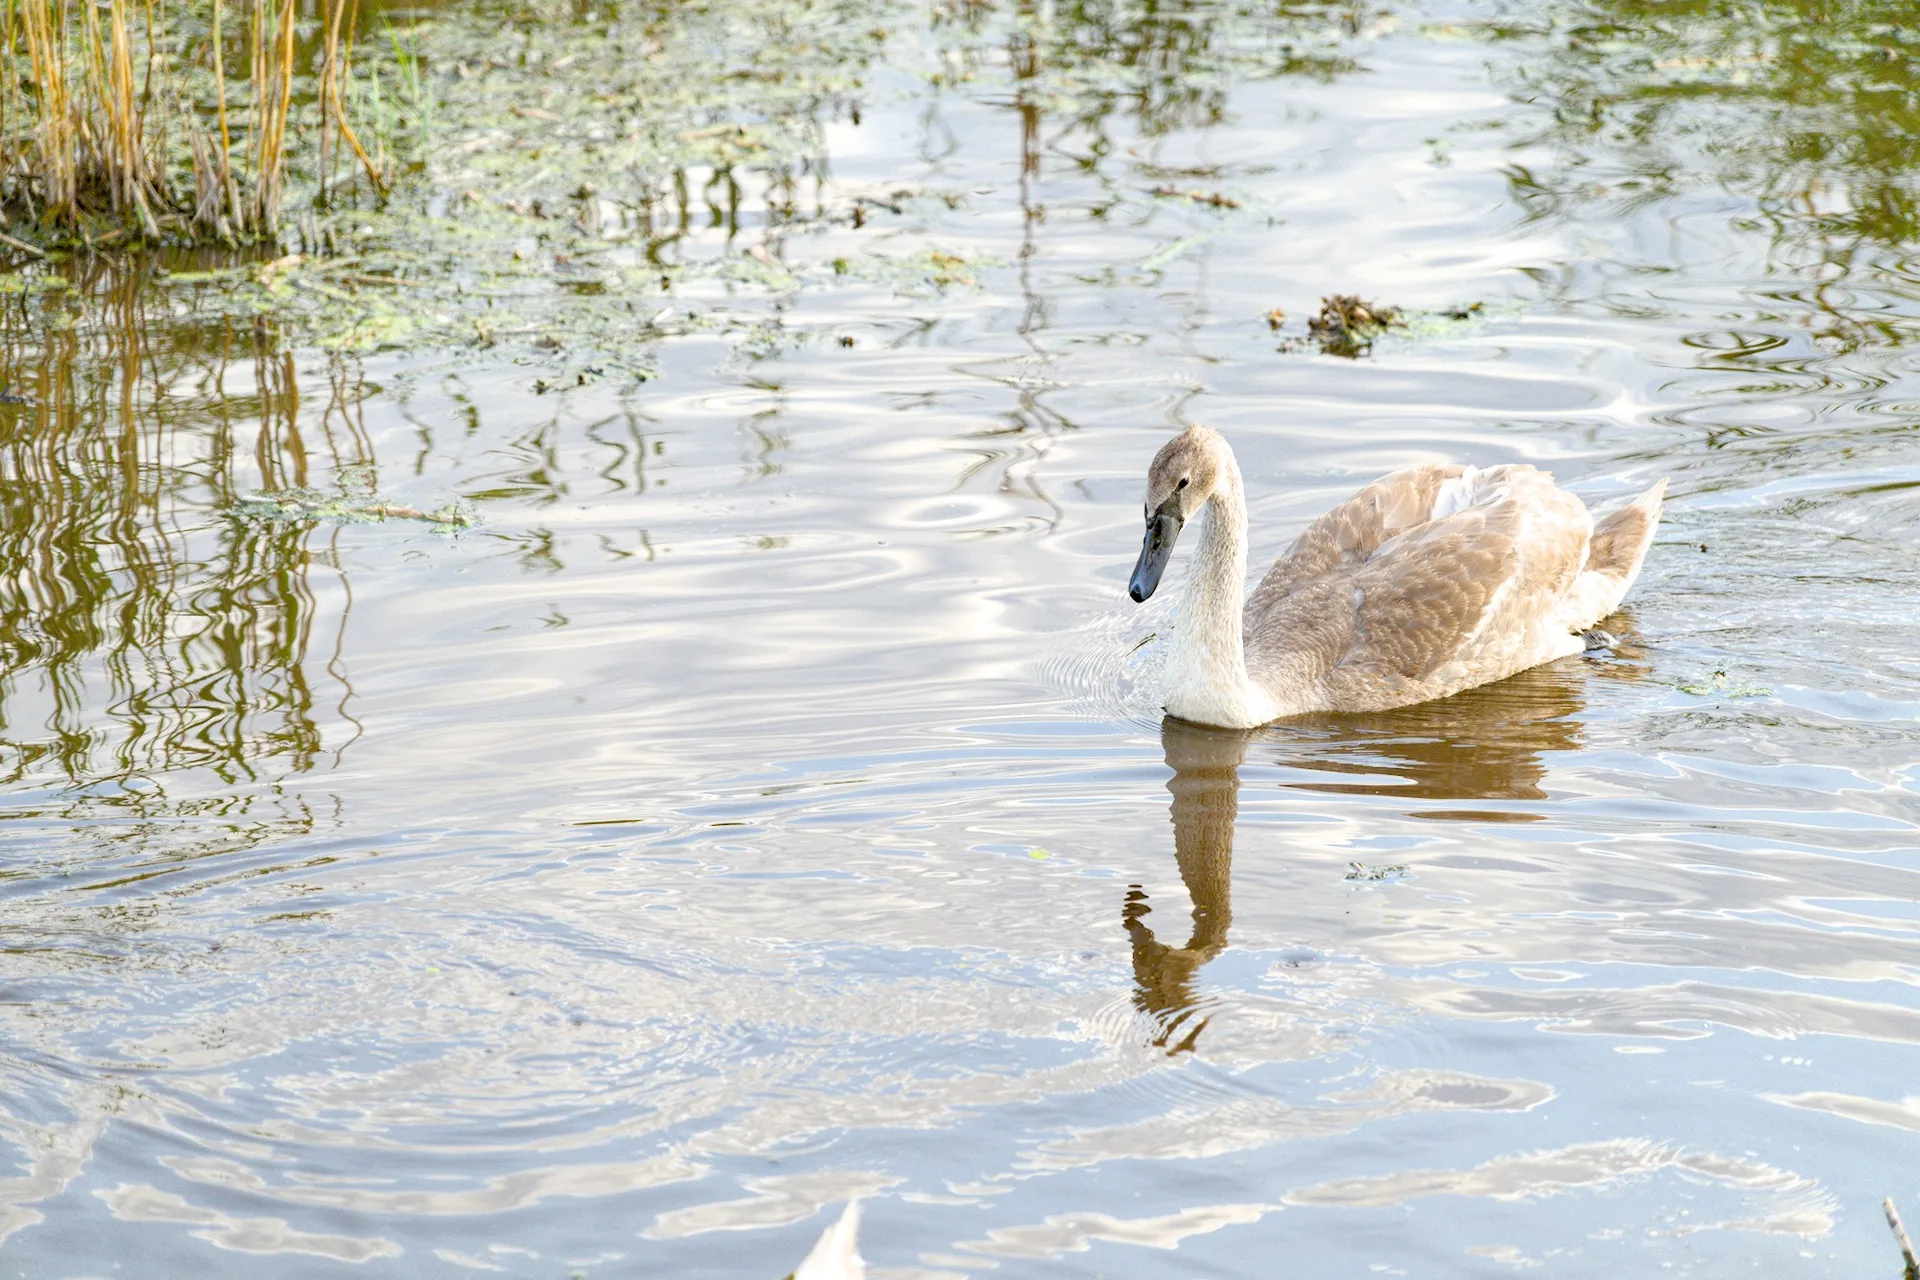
1470,588
1351,532
1430,597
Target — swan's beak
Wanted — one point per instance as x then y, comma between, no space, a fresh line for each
1163,527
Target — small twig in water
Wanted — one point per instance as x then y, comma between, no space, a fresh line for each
387,511
1900,1234
358,278
1213,198
22,245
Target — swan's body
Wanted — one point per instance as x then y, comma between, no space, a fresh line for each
1428,581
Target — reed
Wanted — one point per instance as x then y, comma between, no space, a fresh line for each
132,116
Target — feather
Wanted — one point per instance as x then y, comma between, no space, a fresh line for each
835,1255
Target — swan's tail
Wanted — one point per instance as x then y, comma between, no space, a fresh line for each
1614,555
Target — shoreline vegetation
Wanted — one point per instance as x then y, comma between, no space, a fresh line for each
138,122
569,183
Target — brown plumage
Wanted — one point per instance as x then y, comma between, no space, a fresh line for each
1428,581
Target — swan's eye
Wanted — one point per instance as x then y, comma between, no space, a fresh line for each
1182,484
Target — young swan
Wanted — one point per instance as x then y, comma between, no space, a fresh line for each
1428,581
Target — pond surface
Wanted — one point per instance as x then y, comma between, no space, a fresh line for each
766,802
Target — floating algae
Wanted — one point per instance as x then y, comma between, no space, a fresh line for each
348,508
13,282
1721,684
920,274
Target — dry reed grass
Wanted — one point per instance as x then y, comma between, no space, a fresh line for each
126,116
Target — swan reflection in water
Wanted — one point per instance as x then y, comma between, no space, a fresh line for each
1206,800
1494,743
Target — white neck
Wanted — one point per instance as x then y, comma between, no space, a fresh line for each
1206,677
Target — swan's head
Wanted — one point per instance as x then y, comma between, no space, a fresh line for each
1179,482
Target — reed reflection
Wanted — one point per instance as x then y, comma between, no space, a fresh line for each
1812,110
1495,743
142,631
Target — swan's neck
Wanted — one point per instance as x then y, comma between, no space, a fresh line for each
1207,667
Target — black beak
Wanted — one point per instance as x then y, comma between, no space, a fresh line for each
1163,527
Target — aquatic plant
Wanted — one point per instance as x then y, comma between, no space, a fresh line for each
133,116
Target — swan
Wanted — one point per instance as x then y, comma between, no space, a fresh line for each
1428,581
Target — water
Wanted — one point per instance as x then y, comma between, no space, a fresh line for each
766,803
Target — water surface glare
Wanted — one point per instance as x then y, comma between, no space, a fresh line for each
767,803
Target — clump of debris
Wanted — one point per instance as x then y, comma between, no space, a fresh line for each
1348,324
